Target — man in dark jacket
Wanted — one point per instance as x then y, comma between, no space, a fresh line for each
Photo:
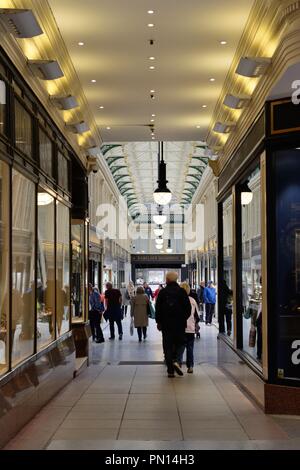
173,308
113,300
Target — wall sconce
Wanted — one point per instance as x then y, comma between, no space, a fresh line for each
223,127
253,66
20,22
65,102
236,102
46,69
79,127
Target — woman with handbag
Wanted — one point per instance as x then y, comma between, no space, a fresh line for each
95,314
139,311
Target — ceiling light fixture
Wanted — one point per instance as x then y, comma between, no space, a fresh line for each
93,81
20,22
169,249
223,127
152,91
204,106
108,128
253,66
212,79
151,58
223,43
79,127
151,120
101,107
198,127
152,67
159,218
158,231
236,102
153,115
162,195
150,12
46,69
151,25
44,199
81,44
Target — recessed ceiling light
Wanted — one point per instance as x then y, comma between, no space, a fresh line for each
150,12
151,58
153,115
101,107
108,128
151,25
198,127
152,91
81,43
152,67
151,120
153,138
204,106
212,79
223,43
93,81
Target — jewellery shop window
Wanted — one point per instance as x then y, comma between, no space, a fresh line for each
227,283
77,294
23,129
2,106
251,264
45,270
62,268
45,145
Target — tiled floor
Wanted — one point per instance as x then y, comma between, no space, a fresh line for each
112,405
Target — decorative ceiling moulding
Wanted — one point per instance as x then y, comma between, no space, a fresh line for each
46,69
266,35
20,22
65,102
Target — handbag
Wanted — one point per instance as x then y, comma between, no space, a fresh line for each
131,327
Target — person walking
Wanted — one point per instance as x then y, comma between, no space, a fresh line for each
113,299
200,294
148,291
173,308
210,302
157,291
192,321
140,312
125,299
226,304
95,314
131,289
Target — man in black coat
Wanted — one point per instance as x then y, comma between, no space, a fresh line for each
172,309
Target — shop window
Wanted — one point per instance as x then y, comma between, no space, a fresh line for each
78,274
62,269
45,145
251,294
45,270
4,267
23,129
23,267
62,171
2,106
226,283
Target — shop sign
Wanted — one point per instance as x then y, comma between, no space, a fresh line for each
289,361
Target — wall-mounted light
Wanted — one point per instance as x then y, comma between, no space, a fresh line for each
162,195
20,22
236,102
46,69
246,194
65,102
253,66
223,127
79,127
93,151
44,199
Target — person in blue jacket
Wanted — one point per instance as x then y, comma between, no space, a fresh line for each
209,296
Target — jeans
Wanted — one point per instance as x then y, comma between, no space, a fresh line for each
209,311
189,346
124,310
139,331
172,343
112,327
95,319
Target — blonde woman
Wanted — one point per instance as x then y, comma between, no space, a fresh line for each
189,332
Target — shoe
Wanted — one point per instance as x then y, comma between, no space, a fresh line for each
140,340
177,368
229,333
171,375
198,335
120,337
190,370
112,337
99,340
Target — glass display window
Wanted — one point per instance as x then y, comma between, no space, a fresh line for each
251,256
23,267
23,129
62,171
2,106
4,267
45,269
45,146
226,283
78,275
62,268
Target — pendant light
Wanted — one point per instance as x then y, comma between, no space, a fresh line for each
169,249
158,231
246,194
159,218
162,195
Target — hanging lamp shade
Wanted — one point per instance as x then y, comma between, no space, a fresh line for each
162,195
158,231
159,219
246,194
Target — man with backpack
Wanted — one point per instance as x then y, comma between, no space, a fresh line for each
95,314
173,308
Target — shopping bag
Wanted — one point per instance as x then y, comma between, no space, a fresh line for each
131,328
151,310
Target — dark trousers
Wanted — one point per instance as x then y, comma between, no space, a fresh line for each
124,310
228,316
259,337
189,346
112,327
140,330
209,311
95,319
172,343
